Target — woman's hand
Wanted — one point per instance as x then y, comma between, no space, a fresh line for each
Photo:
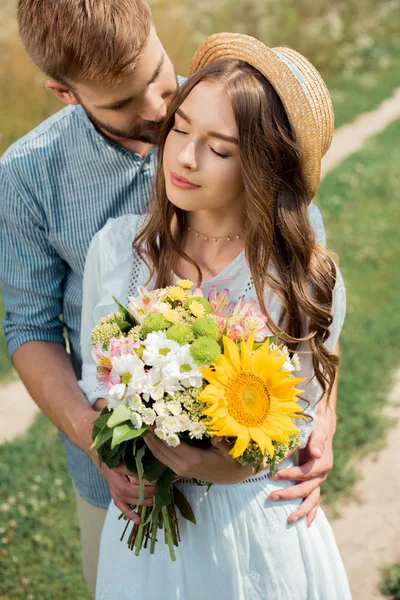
100,404
214,465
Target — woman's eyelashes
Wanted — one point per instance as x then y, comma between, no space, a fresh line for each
220,154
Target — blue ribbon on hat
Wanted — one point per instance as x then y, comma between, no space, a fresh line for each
294,70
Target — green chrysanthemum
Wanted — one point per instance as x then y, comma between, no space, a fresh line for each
181,334
204,326
155,322
205,351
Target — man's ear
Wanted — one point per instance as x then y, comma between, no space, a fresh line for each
63,93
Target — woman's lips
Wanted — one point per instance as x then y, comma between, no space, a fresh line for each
182,183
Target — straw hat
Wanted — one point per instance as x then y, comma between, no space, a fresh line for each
297,82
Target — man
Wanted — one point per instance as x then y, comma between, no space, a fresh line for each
59,184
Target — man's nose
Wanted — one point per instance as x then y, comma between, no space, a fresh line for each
155,108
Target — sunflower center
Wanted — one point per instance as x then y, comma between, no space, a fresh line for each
248,399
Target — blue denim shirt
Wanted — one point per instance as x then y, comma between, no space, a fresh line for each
58,186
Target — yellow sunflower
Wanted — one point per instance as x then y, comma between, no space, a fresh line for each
250,398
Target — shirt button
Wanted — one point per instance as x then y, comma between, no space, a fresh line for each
146,167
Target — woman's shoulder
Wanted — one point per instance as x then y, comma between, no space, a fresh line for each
112,245
122,227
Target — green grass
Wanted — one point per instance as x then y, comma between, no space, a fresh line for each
366,88
40,554
360,201
390,585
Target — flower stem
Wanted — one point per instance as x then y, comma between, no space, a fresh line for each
168,533
139,537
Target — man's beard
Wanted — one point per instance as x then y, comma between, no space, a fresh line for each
144,131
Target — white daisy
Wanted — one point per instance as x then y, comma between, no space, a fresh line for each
159,349
183,368
130,369
175,407
136,420
159,383
149,416
135,403
161,433
172,440
161,408
172,424
184,422
197,430
295,360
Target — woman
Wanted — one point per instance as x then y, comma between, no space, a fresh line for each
239,161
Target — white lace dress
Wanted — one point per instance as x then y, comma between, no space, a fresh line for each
242,547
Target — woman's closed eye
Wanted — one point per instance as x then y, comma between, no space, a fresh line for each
220,154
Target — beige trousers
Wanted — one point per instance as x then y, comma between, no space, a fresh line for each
91,521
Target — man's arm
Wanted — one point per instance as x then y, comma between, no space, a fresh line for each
46,371
32,276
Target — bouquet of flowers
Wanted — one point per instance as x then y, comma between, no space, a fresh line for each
190,368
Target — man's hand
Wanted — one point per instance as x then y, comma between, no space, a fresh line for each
214,465
315,462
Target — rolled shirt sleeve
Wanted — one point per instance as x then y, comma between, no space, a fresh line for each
31,271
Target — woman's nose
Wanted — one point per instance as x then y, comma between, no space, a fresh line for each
187,157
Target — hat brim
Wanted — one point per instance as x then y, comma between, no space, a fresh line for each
294,98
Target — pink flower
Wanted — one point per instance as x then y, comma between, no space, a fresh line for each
121,346
107,378
220,302
255,322
234,330
101,357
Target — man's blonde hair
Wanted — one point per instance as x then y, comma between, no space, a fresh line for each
85,41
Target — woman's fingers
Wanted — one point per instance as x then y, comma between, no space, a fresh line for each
126,509
311,515
308,508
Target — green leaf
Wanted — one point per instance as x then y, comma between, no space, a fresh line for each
114,459
273,338
162,490
123,325
101,438
184,506
139,465
121,414
154,469
125,312
125,432
101,420
129,458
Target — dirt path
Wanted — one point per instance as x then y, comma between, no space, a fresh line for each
352,137
367,531
18,410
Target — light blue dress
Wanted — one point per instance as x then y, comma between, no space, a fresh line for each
242,547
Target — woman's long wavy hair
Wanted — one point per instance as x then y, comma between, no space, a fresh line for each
277,227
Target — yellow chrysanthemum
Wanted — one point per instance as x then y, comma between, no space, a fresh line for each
171,315
197,309
250,398
176,293
185,284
